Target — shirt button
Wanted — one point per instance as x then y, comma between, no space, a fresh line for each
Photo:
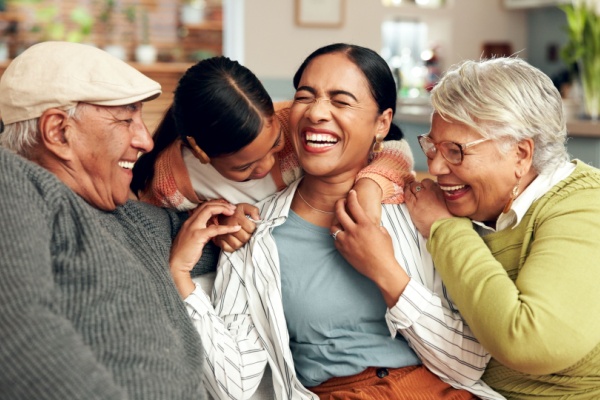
382,372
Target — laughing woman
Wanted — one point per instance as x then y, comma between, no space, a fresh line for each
378,328
513,228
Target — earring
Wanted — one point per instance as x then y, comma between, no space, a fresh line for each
198,152
514,194
378,145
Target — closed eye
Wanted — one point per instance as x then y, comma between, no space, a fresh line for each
340,103
304,99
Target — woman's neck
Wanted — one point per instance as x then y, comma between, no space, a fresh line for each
315,199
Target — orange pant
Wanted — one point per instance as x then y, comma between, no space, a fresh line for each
409,383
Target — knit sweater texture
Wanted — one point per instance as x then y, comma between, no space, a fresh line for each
531,293
88,309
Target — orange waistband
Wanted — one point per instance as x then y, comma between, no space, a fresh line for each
407,383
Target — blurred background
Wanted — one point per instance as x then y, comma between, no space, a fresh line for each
418,38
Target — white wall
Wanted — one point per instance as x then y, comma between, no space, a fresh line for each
274,46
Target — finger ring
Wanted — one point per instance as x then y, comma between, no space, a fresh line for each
334,234
418,188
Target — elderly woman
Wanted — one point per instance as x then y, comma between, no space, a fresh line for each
513,227
368,329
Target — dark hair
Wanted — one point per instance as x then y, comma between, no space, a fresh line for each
218,102
376,70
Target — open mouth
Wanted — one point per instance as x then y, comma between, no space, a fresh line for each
451,192
320,140
126,164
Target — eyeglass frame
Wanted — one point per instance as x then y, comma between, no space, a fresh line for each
462,147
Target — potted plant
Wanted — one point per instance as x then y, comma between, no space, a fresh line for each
112,46
583,49
85,24
145,52
192,12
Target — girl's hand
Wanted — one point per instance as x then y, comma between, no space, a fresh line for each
369,196
244,216
187,247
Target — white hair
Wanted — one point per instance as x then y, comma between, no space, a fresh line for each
507,100
23,137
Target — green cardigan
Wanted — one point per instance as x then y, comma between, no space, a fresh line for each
531,294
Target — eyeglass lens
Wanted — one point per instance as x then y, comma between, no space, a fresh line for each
450,151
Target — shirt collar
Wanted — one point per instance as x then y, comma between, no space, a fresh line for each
536,189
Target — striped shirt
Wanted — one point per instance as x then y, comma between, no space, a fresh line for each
246,329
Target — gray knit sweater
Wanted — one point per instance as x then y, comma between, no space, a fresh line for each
88,309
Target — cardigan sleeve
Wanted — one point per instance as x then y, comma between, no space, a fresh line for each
391,169
545,320
171,186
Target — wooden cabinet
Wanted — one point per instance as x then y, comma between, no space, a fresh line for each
203,40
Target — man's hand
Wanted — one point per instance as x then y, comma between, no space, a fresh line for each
189,242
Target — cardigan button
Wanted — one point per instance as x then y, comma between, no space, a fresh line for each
382,372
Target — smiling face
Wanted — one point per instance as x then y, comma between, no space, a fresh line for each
105,142
334,117
480,187
255,160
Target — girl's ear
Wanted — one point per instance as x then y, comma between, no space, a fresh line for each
53,125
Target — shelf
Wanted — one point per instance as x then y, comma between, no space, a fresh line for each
205,26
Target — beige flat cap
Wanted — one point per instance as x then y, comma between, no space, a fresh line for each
61,74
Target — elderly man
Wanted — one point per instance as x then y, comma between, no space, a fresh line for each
88,309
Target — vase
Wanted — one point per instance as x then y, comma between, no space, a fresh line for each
116,50
192,13
589,74
145,54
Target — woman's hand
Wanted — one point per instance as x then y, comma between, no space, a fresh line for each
368,247
234,241
426,204
187,247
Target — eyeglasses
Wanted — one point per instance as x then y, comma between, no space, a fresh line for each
452,152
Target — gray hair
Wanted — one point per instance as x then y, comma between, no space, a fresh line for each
23,137
507,100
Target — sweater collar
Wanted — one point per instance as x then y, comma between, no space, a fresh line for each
536,189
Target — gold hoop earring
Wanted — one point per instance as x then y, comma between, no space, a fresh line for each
514,194
378,145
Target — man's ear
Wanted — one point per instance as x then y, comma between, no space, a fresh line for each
384,121
53,126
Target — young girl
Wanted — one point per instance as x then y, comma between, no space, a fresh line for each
223,139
